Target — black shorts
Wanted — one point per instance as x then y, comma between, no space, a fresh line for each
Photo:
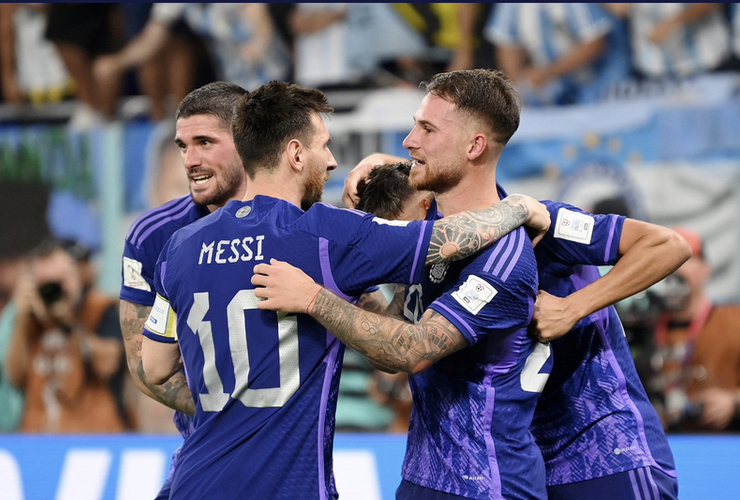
86,25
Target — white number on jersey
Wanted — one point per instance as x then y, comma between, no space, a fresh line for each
531,378
215,398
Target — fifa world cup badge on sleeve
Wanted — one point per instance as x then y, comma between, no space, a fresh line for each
132,277
474,294
574,226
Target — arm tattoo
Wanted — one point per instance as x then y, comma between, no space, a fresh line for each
174,392
388,341
461,235
374,302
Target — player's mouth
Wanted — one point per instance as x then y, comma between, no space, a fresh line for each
417,162
200,178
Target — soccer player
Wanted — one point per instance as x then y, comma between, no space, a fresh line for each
476,374
598,432
265,384
216,175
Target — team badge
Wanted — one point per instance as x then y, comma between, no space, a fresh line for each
438,272
243,212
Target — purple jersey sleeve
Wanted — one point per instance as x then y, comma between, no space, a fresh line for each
577,237
491,294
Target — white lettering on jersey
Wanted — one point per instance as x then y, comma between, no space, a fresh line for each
132,277
231,251
399,223
474,294
208,251
574,226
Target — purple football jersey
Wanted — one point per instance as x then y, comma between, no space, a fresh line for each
265,383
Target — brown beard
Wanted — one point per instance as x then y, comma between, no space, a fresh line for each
437,182
314,188
231,181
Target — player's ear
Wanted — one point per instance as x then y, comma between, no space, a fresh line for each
477,146
294,150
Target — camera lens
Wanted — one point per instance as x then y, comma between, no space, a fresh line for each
50,292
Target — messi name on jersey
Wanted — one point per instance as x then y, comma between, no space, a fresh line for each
231,251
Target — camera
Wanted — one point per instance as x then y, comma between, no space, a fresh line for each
50,292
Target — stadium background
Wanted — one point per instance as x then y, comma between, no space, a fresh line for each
674,155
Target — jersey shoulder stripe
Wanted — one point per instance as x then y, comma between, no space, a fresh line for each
157,214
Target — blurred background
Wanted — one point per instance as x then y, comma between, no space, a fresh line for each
627,108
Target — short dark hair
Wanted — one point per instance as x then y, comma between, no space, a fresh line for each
485,94
386,190
216,98
271,115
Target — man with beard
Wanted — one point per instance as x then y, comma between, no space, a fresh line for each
215,174
265,384
476,374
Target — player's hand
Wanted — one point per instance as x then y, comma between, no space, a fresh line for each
283,287
552,318
538,220
718,407
360,172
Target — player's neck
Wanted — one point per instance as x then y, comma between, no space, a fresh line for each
472,193
265,185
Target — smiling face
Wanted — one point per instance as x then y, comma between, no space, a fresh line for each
214,169
437,144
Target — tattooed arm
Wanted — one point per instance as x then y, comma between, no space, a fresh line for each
389,342
461,235
174,392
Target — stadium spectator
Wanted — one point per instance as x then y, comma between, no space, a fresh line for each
698,352
676,40
31,70
81,34
557,53
345,45
240,37
65,352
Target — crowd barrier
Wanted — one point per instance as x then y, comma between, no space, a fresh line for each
367,466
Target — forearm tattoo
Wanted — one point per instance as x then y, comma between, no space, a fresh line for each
387,341
175,392
462,235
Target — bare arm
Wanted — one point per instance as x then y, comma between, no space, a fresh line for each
11,90
160,360
579,56
174,392
691,14
461,235
648,253
512,60
389,342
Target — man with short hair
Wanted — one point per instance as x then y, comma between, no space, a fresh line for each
265,384
593,399
215,175
476,374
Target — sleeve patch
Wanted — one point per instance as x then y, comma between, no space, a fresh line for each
574,226
132,277
474,294
161,319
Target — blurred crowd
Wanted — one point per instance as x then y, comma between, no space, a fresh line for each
556,53
61,352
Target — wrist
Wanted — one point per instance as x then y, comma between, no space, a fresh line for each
309,307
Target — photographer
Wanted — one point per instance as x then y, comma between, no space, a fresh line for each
698,354
65,349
